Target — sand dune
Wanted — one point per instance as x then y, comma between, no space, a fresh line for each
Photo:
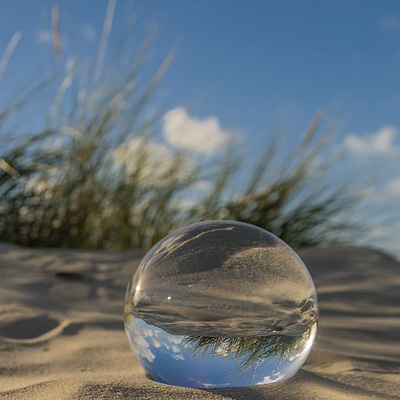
62,337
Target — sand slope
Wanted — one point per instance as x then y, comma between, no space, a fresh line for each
62,337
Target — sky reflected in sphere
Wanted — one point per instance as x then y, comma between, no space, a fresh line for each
220,304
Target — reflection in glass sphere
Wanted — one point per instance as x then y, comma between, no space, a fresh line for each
219,304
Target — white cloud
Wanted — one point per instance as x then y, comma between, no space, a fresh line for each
44,36
198,191
89,32
273,377
378,232
393,188
389,24
379,143
152,162
188,133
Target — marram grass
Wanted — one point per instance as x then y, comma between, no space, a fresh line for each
98,176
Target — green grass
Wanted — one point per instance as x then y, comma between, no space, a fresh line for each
97,174
249,352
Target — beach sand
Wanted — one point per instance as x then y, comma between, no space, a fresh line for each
62,335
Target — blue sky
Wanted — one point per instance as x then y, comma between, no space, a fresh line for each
248,60
168,359
251,64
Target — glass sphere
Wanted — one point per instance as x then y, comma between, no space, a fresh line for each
221,304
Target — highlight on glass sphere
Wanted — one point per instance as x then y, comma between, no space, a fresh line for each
221,304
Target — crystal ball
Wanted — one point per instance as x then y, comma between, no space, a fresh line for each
221,304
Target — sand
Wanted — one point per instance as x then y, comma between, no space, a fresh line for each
62,336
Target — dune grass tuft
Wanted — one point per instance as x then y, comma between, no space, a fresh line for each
97,174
